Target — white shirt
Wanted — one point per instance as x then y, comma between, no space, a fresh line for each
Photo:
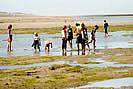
36,37
63,33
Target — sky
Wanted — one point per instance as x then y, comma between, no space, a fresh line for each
68,7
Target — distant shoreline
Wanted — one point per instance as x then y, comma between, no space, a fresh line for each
60,24
12,14
109,15
51,21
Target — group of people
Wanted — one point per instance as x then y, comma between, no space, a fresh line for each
67,34
81,37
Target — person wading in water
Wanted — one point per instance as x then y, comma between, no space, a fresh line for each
37,42
64,40
84,38
70,36
92,36
9,38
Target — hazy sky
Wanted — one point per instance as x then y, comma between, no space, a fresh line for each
67,7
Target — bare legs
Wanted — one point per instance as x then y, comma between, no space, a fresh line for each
9,47
78,47
64,52
70,43
87,43
83,48
94,41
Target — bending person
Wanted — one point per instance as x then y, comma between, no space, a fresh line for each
47,45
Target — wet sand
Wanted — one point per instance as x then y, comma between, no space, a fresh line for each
51,21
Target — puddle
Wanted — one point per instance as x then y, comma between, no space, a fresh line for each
21,44
100,60
32,65
120,71
104,64
115,83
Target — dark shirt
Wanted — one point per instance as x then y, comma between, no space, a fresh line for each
69,31
105,25
85,35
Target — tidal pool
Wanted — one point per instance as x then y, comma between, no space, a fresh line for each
21,44
115,83
103,64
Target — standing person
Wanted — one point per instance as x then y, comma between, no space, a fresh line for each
9,37
79,35
70,36
105,28
64,40
37,42
84,37
92,36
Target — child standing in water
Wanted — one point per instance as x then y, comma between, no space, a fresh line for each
92,36
105,28
36,42
9,38
64,40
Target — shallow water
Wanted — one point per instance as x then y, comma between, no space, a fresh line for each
22,47
115,83
21,44
116,18
32,65
103,64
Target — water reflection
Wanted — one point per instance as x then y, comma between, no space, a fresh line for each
37,53
9,53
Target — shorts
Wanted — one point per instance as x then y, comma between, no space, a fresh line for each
105,30
64,43
36,44
79,38
70,38
10,38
